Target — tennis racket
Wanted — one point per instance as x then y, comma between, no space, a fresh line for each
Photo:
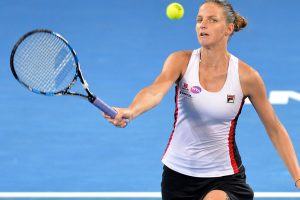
45,63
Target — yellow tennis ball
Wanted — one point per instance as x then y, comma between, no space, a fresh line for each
175,11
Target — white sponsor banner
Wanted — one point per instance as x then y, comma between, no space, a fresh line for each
281,97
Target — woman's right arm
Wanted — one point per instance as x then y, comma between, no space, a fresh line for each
152,95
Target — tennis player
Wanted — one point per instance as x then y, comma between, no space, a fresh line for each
201,160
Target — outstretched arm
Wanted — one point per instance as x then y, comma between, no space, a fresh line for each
253,87
152,95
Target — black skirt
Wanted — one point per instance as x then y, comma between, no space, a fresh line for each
176,186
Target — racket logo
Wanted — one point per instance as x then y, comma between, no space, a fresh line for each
196,89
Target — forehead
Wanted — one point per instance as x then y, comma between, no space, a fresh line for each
210,9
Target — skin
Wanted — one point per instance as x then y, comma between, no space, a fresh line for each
213,33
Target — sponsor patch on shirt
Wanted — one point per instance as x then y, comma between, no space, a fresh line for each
185,86
195,89
230,98
187,91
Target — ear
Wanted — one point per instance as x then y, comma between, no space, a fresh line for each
230,29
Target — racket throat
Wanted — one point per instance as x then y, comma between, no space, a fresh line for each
91,98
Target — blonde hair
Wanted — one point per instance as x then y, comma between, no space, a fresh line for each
231,16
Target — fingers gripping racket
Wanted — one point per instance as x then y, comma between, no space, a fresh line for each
45,63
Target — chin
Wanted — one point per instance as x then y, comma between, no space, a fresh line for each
206,45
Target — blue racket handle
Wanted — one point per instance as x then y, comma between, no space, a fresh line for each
104,107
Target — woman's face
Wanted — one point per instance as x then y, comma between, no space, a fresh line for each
211,27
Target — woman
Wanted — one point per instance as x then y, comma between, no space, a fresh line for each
201,160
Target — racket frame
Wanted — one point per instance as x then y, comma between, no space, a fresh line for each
78,74
99,103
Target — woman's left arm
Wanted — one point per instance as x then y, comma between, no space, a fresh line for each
254,89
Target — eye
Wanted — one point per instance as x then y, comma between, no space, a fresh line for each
213,20
199,20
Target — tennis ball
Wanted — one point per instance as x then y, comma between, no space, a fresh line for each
175,11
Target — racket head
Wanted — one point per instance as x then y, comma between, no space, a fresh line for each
44,62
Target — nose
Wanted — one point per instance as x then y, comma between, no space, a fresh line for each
203,24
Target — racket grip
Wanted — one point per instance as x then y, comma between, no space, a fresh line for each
104,107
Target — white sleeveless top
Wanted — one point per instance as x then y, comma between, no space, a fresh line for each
202,143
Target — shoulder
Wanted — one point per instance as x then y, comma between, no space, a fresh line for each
178,62
247,73
249,78
181,56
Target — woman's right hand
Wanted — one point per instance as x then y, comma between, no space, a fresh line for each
123,117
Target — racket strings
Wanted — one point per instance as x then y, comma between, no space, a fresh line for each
45,63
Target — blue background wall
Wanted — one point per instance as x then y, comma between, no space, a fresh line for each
63,143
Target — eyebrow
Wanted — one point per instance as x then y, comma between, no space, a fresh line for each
210,16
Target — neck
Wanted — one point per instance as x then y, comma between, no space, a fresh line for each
214,58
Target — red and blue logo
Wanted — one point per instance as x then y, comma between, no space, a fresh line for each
195,89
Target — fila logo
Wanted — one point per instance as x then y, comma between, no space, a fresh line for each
230,98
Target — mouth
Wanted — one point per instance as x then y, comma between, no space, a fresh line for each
202,34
